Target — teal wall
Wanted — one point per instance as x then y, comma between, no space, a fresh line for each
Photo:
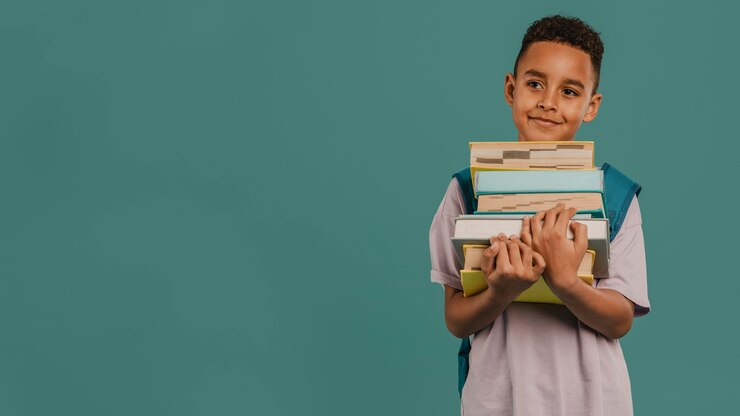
222,207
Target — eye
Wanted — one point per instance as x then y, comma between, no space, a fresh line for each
534,84
570,92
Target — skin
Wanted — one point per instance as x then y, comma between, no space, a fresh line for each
550,97
605,310
553,92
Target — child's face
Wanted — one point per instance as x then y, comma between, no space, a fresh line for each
552,93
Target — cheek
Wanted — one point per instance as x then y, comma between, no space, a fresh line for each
521,108
520,117
575,111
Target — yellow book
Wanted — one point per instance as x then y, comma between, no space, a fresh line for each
473,281
473,255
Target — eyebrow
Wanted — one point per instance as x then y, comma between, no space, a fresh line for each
571,81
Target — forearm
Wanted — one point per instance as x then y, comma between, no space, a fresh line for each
605,310
467,315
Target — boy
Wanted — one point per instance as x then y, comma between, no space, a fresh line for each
540,359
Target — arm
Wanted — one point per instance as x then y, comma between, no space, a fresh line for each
516,268
605,310
466,316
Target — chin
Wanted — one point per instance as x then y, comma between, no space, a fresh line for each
529,137
539,137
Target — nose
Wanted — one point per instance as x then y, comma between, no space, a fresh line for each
548,101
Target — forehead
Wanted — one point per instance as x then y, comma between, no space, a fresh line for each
557,61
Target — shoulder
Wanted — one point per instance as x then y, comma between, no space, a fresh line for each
452,203
634,216
631,228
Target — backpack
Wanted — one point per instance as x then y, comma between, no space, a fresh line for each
618,193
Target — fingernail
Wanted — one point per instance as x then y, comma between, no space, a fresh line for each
494,245
511,237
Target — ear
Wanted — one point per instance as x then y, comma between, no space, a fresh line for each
509,83
593,108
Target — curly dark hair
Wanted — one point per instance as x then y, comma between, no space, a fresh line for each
571,31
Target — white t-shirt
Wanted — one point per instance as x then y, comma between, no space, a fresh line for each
539,359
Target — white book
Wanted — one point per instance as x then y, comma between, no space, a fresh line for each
511,216
480,230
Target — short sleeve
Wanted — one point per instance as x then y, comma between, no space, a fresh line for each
627,265
445,264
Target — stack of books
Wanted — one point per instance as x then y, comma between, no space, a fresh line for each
516,179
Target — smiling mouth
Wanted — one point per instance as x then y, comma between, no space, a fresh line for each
543,122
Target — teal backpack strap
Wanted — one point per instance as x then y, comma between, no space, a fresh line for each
471,204
619,190
466,186
618,193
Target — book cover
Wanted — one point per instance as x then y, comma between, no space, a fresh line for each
591,203
474,282
541,181
532,155
474,257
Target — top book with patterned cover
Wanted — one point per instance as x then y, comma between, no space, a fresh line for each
531,155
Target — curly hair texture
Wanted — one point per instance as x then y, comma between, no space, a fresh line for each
571,31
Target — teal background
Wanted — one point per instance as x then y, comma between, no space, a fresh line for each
222,207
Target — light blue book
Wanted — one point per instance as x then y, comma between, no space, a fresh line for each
538,181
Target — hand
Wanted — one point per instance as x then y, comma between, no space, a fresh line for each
516,266
546,233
